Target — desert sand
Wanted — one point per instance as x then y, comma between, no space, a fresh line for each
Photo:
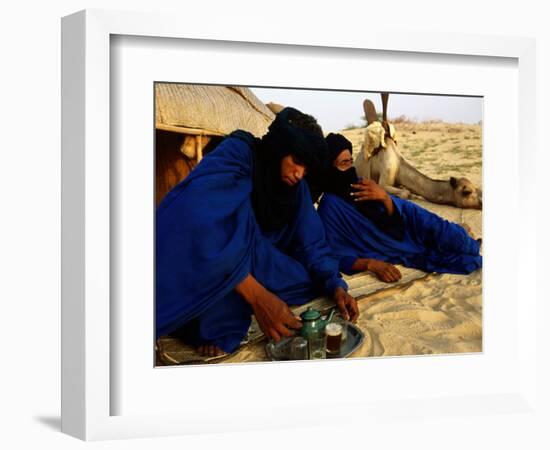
433,314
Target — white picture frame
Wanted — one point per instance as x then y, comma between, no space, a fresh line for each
87,328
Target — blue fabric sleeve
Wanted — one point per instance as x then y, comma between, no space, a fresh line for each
346,262
310,246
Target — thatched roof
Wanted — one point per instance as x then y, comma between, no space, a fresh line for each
209,110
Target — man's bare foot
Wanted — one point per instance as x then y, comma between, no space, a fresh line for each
469,230
210,350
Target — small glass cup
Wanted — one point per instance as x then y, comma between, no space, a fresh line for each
340,320
299,348
333,333
317,347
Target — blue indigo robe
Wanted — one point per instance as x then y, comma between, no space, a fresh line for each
208,240
430,243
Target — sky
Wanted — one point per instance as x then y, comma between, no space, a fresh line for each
336,110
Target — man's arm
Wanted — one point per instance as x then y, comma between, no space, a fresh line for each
273,315
370,190
392,224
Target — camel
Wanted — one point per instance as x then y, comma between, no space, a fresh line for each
381,161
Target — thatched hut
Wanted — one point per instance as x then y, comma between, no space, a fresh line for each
191,119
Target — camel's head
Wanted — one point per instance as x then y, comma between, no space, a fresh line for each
466,193
379,134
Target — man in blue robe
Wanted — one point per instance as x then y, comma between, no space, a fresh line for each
240,236
368,229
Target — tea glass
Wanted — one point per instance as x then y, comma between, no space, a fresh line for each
317,347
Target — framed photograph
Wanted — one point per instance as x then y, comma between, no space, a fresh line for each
428,219
127,149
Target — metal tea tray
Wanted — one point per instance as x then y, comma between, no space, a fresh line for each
280,351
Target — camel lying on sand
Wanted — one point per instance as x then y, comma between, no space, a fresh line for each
381,161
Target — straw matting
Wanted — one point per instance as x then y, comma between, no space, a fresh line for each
217,109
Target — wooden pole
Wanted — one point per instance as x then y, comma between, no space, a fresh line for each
185,130
385,96
199,148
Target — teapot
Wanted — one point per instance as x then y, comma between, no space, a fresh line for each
312,324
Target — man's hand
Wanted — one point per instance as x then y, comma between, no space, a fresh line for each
369,190
347,305
384,271
273,315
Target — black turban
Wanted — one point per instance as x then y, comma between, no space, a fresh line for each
336,145
273,200
286,136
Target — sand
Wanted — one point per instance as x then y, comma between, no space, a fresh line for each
438,149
